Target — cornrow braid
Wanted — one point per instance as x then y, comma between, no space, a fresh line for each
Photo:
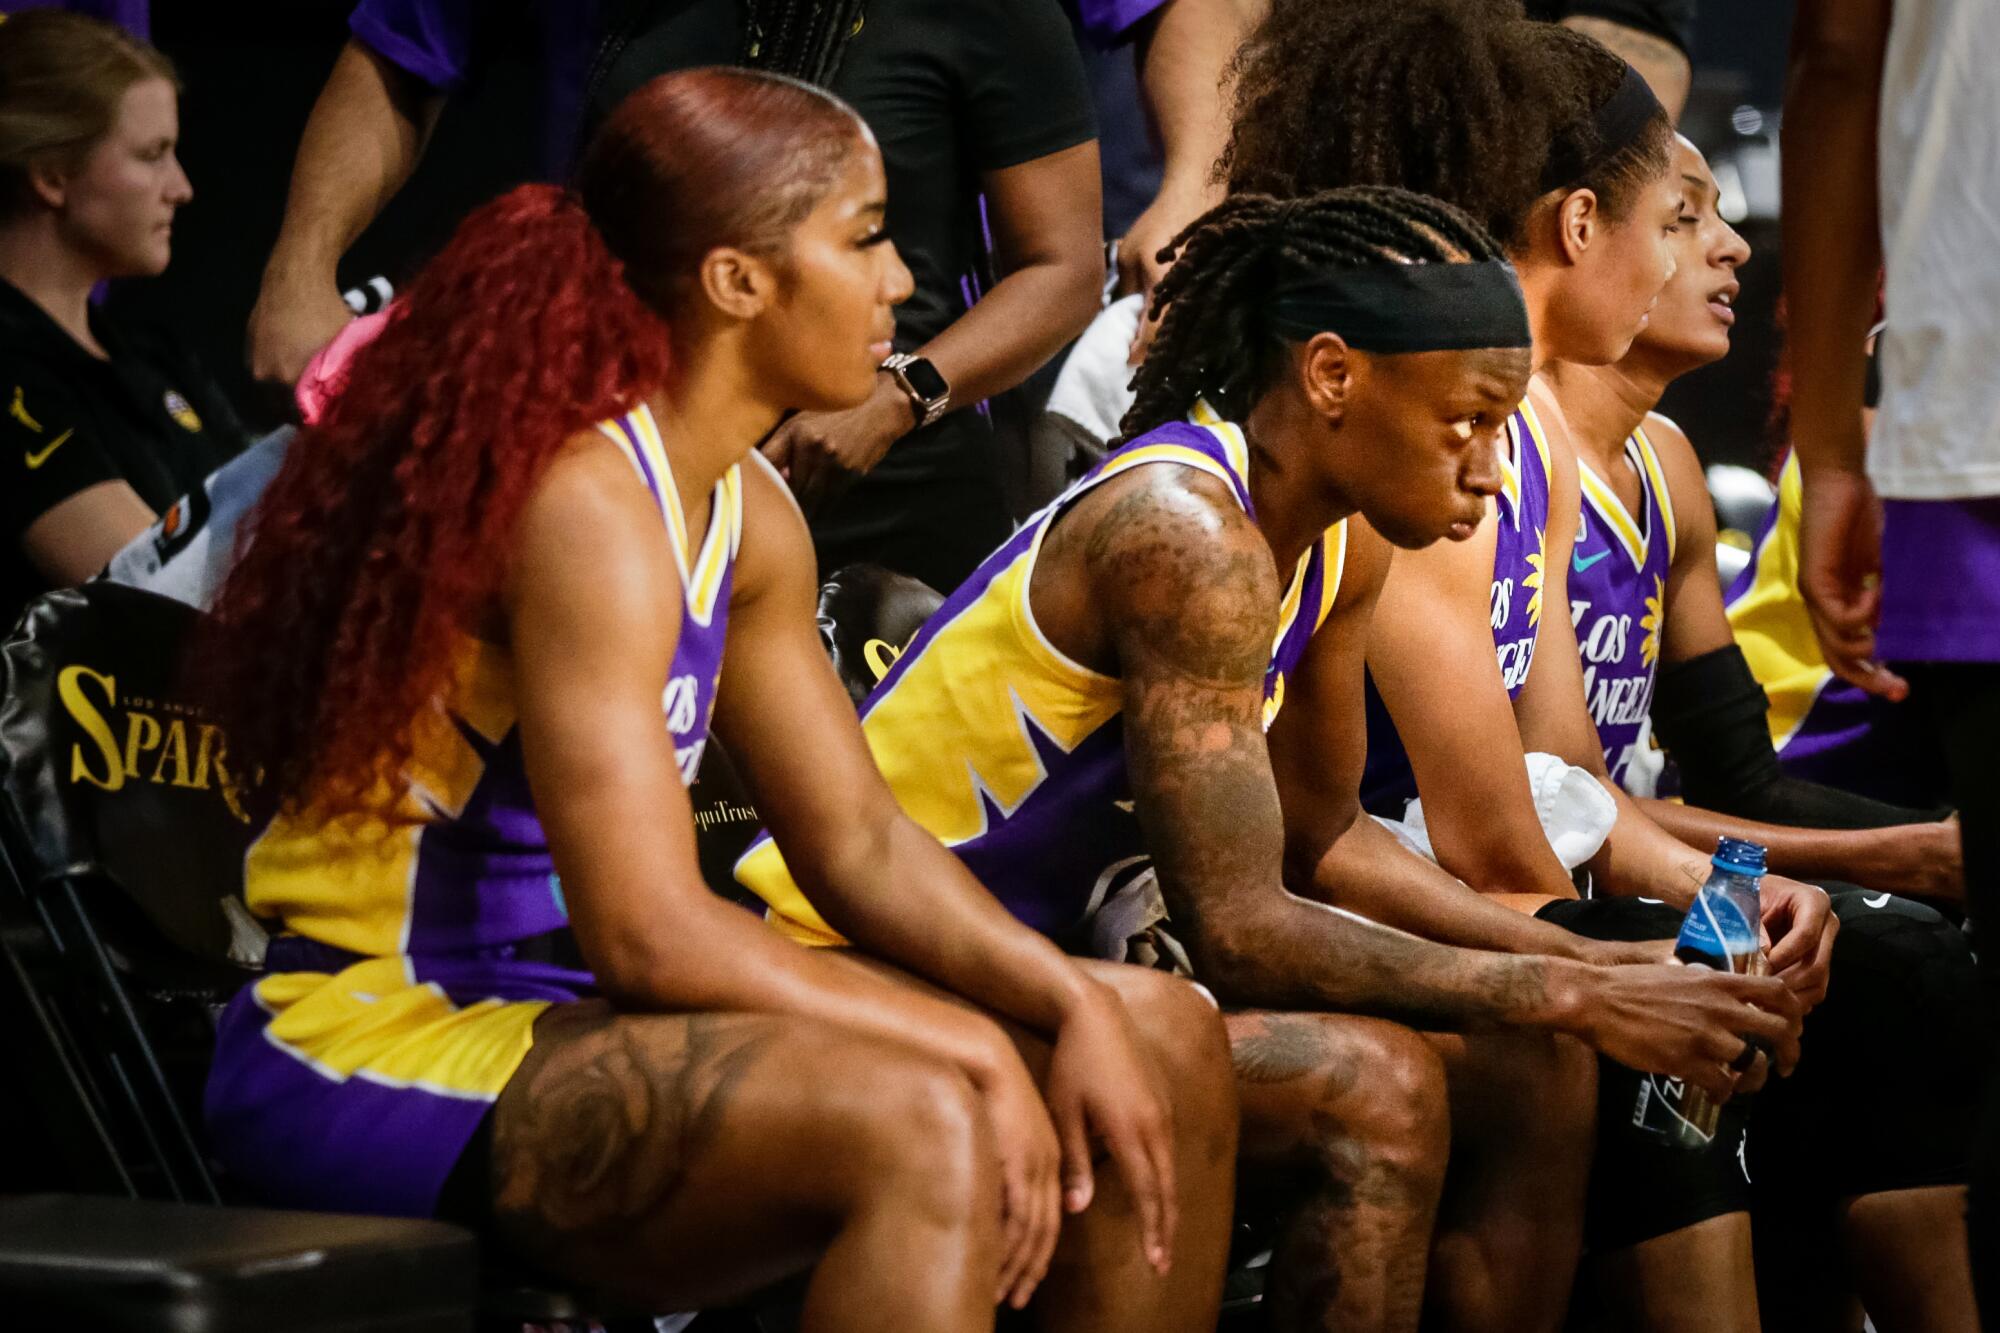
1215,340
802,38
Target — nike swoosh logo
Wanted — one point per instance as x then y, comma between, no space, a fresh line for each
1879,900
1580,565
41,456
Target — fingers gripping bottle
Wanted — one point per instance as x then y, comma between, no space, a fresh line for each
1720,931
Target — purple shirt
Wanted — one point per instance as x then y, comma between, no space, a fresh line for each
135,16
1940,581
1617,595
439,42
1108,22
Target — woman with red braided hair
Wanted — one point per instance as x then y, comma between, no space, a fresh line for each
502,993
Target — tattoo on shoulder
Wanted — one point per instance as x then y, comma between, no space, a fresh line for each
1195,580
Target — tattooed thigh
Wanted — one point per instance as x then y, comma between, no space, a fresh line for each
599,1128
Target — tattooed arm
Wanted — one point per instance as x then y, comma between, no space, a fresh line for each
1185,588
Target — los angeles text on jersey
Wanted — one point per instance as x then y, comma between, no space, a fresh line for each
1618,685
1516,656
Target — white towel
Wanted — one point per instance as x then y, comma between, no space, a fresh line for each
1575,810
1091,389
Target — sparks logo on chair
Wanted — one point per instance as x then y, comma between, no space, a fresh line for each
107,767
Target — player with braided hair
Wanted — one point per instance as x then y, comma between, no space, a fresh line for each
1212,343
1084,722
1417,93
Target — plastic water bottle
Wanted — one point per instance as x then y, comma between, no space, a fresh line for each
1720,931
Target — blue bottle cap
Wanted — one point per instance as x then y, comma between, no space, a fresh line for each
1738,857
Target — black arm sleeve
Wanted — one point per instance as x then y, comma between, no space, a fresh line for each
1708,713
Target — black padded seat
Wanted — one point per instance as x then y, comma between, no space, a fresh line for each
140,1266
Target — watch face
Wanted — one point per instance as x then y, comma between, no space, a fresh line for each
924,378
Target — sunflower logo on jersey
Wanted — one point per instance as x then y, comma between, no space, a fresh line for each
1536,560
1649,647
182,411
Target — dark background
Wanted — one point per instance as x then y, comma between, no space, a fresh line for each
252,71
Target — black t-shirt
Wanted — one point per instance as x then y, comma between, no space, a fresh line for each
951,88
148,417
1669,20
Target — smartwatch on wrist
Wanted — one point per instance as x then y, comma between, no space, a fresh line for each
921,383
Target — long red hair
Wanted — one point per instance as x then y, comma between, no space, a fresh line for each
386,535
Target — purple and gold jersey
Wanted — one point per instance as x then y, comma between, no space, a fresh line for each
1521,516
1824,729
1011,753
398,1004
1618,573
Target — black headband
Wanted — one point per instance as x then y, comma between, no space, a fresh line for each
1618,123
1395,308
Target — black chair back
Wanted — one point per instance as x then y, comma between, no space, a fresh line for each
868,615
123,831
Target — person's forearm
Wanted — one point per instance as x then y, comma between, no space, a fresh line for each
902,897
1801,853
1832,247
1642,860
719,958
361,143
1183,61
1293,954
1796,803
1709,713
1011,331
1910,858
1368,870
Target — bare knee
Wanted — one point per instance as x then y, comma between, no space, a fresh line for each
1399,1106
1180,1029
1359,1095
1178,1025
890,1121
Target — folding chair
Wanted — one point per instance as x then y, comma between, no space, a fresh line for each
122,933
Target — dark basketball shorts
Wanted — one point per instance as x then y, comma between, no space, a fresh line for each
1883,1098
